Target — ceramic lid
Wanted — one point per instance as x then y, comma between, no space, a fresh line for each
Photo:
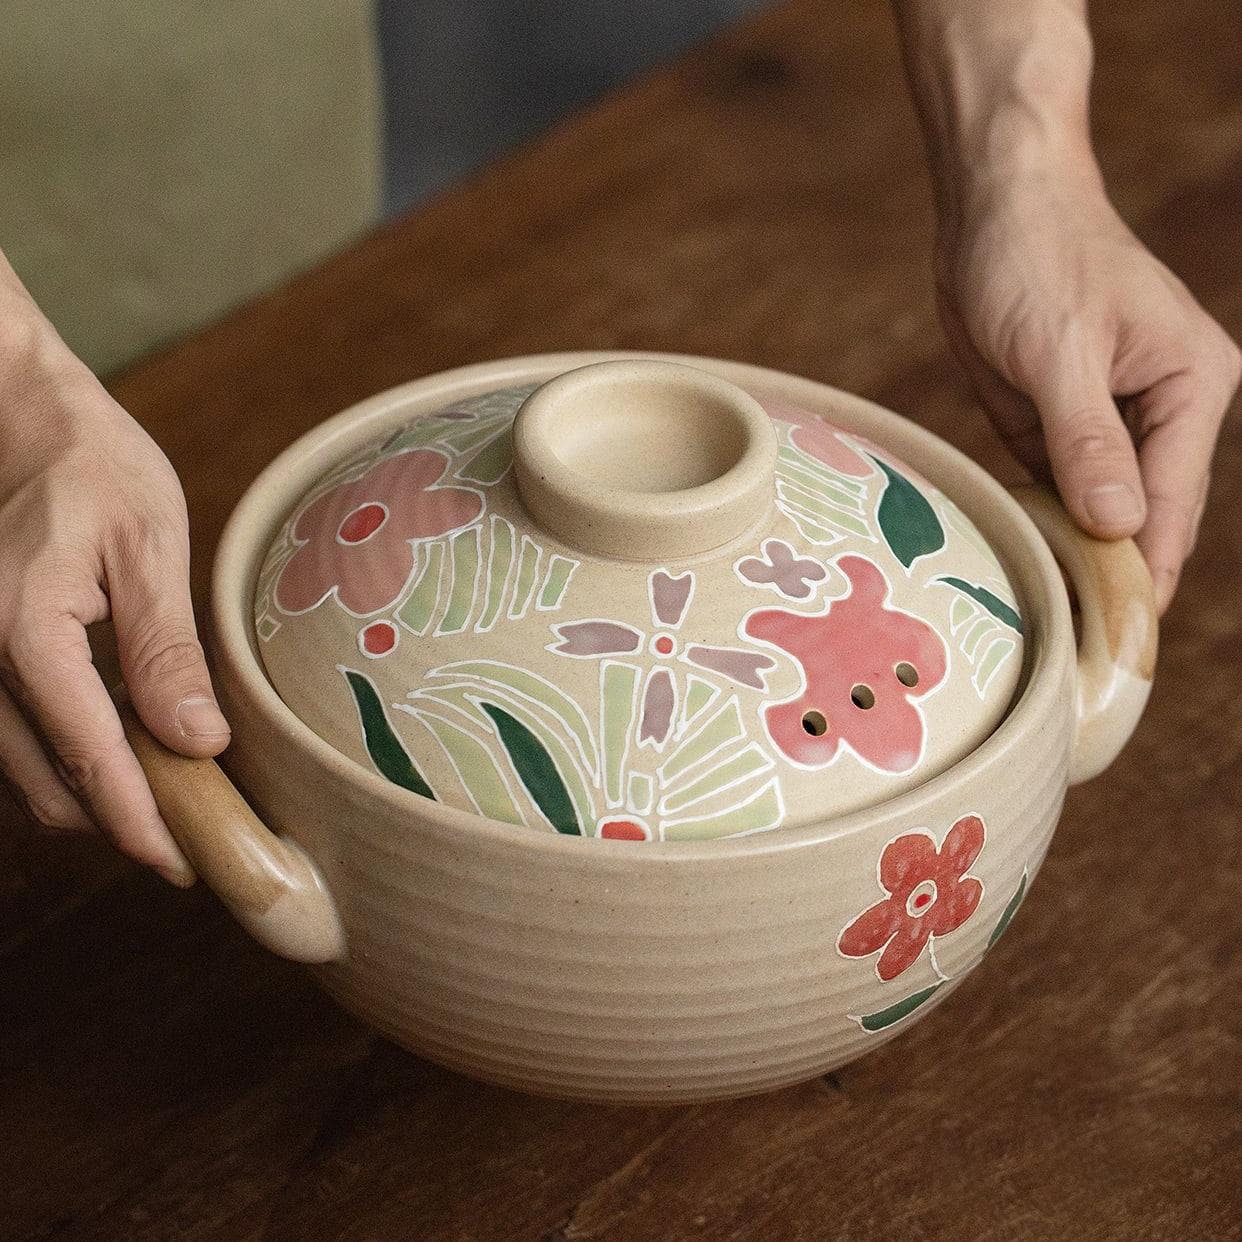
638,602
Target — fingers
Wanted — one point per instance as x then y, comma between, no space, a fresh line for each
161,659
27,769
1090,451
1179,418
49,672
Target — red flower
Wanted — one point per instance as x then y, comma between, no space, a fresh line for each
357,540
865,665
929,894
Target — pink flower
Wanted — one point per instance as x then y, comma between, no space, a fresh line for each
820,439
357,540
929,894
864,667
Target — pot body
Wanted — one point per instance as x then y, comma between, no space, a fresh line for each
669,971
578,974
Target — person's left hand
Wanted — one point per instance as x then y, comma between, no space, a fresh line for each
1060,316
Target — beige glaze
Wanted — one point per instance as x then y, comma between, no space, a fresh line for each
644,461
674,971
637,602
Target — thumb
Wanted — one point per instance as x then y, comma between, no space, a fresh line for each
1091,454
161,658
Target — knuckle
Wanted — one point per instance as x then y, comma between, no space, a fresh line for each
1097,443
150,534
83,771
166,655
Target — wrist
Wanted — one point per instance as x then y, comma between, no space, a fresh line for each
1001,89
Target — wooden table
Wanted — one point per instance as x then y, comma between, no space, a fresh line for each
161,1077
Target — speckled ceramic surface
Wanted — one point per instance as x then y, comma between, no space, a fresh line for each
596,674
842,637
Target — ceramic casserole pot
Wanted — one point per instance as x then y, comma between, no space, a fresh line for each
645,728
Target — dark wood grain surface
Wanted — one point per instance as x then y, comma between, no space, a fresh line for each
764,199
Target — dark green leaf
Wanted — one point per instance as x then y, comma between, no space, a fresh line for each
1010,910
536,770
908,522
894,1013
982,596
383,745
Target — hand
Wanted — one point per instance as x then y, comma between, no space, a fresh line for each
92,521
1097,366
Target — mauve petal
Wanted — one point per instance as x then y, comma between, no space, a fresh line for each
669,596
904,949
372,576
396,477
304,580
437,511
754,570
747,668
659,701
961,846
872,929
955,903
906,862
596,638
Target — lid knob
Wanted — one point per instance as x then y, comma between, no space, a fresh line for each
644,460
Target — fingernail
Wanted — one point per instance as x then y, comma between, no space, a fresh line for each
180,875
200,717
1113,505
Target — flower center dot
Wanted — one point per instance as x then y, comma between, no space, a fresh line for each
664,645
362,523
921,898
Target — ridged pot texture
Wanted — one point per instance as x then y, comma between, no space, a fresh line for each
661,971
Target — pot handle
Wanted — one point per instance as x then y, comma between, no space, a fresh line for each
269,885
1117,651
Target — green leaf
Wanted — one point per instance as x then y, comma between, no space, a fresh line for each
907,520
894,1013
1010,910
985,599
536,770
382,742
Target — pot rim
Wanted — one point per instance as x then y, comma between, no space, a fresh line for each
268,500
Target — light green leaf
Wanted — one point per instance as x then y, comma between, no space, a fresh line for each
1002,611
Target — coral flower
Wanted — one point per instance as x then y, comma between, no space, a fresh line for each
929,894
357,540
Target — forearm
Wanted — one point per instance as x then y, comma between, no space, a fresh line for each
1001,89
39,377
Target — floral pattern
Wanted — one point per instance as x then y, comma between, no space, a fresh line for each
818,438
634,719
865,665
780,567
669,597
357,540
928,894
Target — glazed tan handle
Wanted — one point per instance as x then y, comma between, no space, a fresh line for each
1117,651
268,884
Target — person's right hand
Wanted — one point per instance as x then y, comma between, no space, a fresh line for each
92,523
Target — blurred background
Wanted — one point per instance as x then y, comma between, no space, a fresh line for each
464,82
163,161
